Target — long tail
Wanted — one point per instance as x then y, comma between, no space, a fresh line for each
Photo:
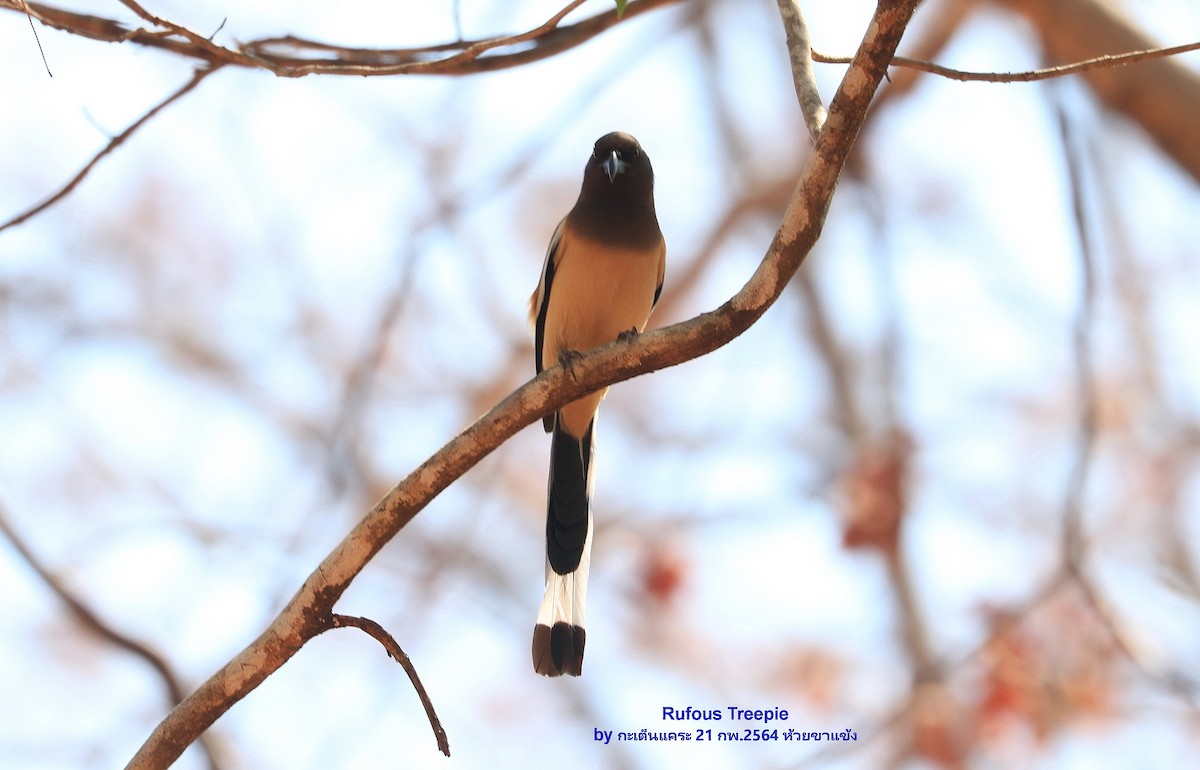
559,637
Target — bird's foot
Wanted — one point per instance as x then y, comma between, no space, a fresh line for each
628,335
567,359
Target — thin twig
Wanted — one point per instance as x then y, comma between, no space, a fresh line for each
1085,378
215,52
1073,550
1098,62
940,24
456,14
113,144
914,630
799,51
380,634
474,51
837,365
176,690
36,39
468,53
1172,677
416,62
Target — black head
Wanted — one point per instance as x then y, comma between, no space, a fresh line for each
619,167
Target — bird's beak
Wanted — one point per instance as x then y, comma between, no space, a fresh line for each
613,165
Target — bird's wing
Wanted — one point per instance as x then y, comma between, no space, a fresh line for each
662,271
541,296
540,301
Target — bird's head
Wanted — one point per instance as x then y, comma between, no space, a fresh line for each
618,153
618,166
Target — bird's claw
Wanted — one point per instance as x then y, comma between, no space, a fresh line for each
628,335
567,359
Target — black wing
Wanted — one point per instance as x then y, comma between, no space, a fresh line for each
543,303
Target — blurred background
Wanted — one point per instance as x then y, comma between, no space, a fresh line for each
944,494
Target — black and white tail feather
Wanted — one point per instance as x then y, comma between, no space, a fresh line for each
559,636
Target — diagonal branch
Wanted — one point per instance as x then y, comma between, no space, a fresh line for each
113,144
97,625
309,611
800,54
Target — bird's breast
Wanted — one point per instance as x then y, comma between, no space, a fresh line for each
598,293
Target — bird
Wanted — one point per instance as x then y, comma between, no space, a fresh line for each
601,278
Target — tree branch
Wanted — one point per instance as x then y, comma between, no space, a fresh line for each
308,57
380,634
1082,349
113,144
1074,551
86,616
1095,63
1161,96
800,53
309,611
